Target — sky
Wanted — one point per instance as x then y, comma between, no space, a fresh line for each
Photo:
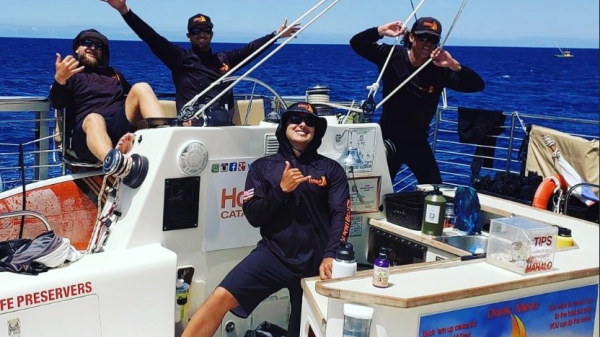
519,23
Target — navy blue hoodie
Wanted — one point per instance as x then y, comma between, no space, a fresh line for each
306,225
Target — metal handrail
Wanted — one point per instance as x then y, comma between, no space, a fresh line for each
15,214
572,189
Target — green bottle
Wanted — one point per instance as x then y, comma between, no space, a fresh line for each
433,213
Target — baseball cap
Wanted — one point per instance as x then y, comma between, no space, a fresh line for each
199,20
427,25
306,109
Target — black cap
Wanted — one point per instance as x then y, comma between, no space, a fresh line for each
383,252
200,21
345,251
427,25
95,35
562,231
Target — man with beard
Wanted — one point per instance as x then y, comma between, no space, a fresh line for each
194,69
101,106
406,115
300,200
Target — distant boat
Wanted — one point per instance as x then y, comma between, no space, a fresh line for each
563,53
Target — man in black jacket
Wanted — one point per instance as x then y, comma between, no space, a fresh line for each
300,201
101,106
406,115
194,69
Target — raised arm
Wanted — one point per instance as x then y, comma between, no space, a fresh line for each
236,56
365,43
169,53
59,92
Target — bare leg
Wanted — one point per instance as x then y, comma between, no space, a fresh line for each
96,136
125,143
142,103
208,317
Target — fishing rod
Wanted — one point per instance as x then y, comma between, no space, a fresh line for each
369,106
187,112
460,10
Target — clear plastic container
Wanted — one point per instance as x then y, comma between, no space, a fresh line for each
357,320
521,245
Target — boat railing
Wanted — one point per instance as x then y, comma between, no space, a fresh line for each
24,213
455,158
27,152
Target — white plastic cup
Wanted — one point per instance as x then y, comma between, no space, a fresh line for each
357,320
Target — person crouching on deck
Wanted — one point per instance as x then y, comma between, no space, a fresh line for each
300,201
101,106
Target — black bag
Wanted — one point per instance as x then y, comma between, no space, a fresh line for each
266,329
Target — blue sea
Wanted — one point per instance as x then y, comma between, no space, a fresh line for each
528,80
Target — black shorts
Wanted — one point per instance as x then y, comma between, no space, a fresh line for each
117,125
257,277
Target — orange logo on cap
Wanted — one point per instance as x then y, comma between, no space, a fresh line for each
306,107
200,19
431,25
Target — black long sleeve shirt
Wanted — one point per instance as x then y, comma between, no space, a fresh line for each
99,90
193,70
411,109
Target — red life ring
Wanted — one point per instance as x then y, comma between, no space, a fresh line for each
548,187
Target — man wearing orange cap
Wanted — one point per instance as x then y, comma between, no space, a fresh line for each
407,114
194,69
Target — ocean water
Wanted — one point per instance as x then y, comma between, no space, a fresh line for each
528,80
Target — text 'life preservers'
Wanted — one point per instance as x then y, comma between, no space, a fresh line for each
548,187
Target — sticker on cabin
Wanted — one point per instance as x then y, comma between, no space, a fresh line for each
356,226
226,226
214,168
14,327
561,313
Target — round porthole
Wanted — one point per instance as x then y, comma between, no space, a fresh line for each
193,158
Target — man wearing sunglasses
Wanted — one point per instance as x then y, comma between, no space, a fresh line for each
101,106
300,201
407,114
194,69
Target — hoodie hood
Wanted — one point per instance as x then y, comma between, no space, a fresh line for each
305,109
94,34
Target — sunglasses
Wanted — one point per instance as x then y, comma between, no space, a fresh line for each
89,43
201,31
298,119
428,38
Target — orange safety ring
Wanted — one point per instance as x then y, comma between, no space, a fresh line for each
548,187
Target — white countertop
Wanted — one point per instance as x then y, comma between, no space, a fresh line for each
463,279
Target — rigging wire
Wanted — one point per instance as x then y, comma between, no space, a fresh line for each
413,7
188,107
375,86
460,10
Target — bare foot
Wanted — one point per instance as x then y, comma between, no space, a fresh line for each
125,143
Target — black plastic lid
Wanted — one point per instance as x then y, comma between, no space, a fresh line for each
345,251
562,231
383,252
436,190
